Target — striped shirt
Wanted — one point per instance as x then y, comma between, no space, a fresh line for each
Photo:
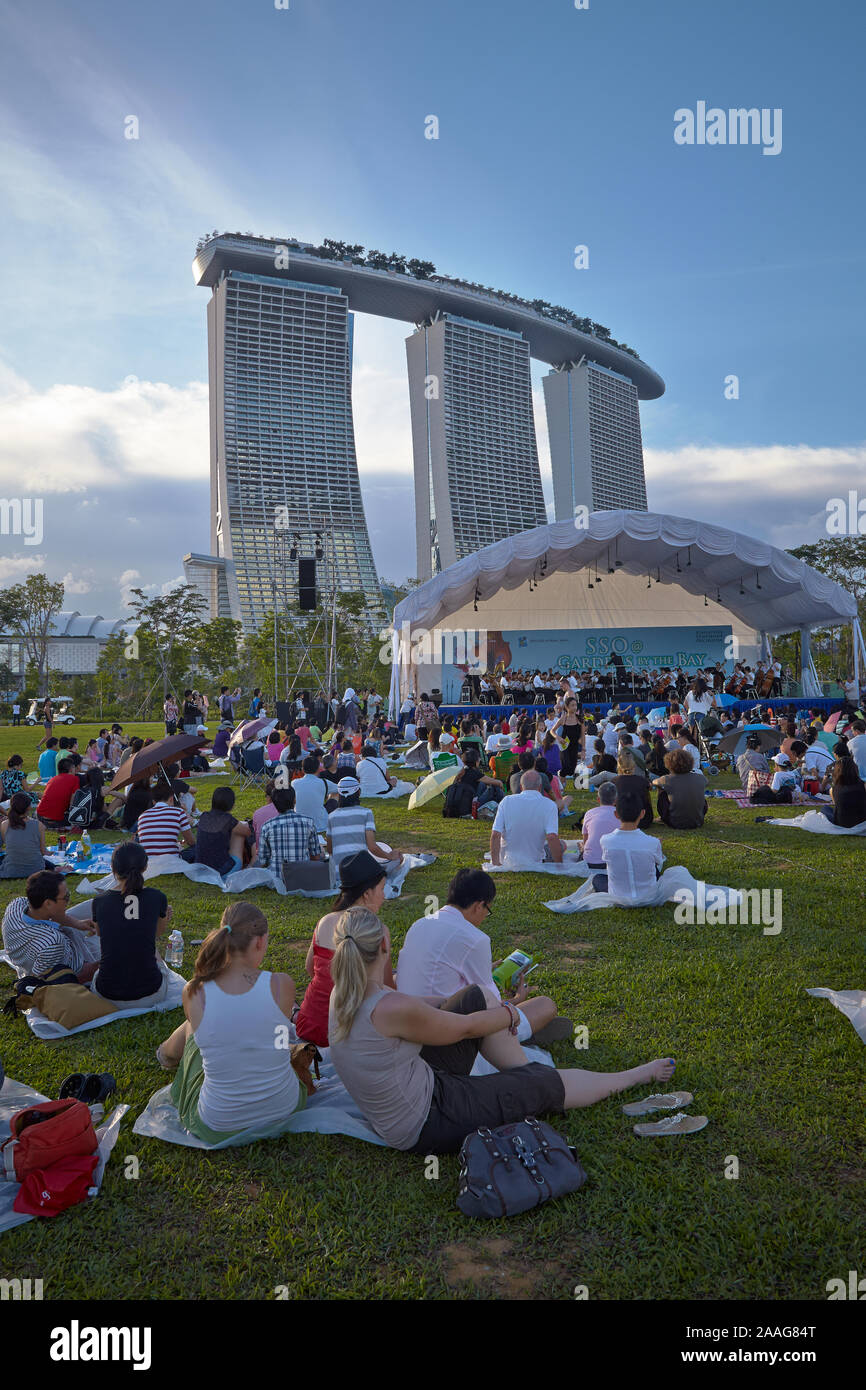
159,828
287,837
347,827
34,946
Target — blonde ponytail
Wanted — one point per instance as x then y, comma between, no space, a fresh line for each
357,942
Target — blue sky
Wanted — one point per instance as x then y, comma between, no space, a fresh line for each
556,129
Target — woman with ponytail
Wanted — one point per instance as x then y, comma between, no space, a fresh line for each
233,1063
129,920
23,840
406,1061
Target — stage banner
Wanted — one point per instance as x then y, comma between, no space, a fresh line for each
563,650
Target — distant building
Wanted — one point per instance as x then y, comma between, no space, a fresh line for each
596,453
73,646
473,438
207,575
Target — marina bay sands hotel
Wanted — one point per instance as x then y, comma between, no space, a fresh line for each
282,446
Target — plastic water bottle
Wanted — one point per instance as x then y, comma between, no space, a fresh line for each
86,846
174,953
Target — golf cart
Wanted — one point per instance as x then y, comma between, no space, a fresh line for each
61,704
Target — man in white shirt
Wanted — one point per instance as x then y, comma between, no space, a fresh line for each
857,746
524,830
610,734
448,951
817,759
852,692
310,793
633,860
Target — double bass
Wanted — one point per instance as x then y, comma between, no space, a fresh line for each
737,684
765,683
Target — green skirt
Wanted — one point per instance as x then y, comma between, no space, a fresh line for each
185,1090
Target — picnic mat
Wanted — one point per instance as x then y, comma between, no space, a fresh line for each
850,1002
817,824
15,1096
571,866
243,879
330,1110
742,800
46,1028
672,881
98,863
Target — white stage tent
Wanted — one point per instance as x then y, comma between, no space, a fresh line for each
666,570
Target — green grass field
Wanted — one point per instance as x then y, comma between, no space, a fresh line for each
779,1074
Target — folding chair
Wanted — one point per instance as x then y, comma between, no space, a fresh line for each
252,768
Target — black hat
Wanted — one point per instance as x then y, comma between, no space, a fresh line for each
359,868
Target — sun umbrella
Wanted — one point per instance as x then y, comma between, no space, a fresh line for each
735,742
831,721
829,739
250,729
431,787
163,750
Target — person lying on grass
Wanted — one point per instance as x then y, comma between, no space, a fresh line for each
405,1061
231,1073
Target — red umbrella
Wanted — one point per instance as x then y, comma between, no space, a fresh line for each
831,722
163,750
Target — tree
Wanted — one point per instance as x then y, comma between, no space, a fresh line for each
217,647
27,611
170,620
843,559
422,270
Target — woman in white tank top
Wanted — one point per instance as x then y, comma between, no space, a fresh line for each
232,1054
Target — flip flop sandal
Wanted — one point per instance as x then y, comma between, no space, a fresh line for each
71,1088
98,1086
673,1124
674,1100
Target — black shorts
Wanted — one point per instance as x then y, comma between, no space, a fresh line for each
462,1103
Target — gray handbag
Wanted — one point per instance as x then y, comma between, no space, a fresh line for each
511,1169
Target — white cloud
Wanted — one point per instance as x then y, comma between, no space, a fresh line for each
71,438
80,583
15,568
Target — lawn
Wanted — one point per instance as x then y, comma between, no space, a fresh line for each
779,1074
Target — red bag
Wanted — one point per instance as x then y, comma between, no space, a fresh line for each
45,1134
48,1191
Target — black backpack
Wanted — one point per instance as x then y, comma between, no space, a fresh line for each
458,800
81,808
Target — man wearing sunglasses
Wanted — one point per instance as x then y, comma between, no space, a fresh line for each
41,931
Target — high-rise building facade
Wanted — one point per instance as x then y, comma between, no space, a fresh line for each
473,434
596,453
282,438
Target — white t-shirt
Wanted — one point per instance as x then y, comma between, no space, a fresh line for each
698,704
817,759
310,793
857,749
785,777
852,692
373,776
611,739
524,822
631,857
443,953
693,752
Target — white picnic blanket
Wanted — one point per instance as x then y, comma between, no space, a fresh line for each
571,866
46,1027
243,879
672,881
817,824
330,1110
851,1002
15,1096
399,789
